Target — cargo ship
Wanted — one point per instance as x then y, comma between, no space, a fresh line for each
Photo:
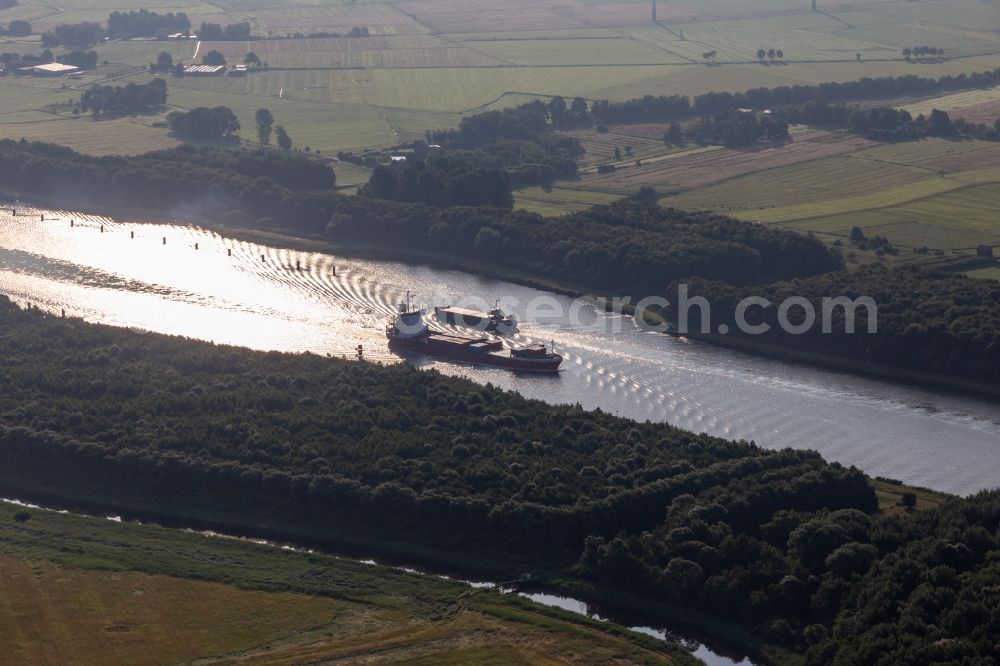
495,321
409,332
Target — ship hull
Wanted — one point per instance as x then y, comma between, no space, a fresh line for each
445,347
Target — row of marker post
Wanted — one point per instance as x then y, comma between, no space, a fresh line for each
229,251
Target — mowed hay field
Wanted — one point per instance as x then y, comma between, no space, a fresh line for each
58,615
86,591
428,62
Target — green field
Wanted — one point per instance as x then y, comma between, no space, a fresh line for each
932,193
91,591
428,62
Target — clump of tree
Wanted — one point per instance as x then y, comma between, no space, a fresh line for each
282,138
15,60
144,23
674,136
737,128
213,58
74,35
440,181
130,99
577,114
81,59
164,63
877,244
213,32
771,54
923,52
16,29
204,124
520,140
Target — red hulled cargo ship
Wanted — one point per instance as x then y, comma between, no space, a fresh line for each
408,332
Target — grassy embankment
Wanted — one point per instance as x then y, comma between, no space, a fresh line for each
90,591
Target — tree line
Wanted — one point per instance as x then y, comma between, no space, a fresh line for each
927,320
677,107
891,124
213,32
81,59
144,23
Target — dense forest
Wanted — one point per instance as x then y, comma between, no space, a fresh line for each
407,462
927,320
633,248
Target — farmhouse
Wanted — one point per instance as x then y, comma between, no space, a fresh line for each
238,70
204,70
49,69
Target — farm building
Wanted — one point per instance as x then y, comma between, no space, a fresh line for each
984,252
49,69
204,70
238,70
